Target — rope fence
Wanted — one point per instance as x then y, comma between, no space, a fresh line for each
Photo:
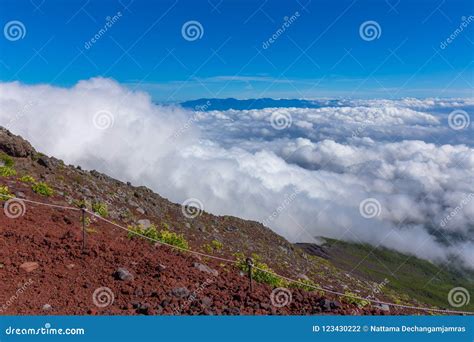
161,242
249,261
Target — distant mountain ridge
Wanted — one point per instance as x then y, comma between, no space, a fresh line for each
207,104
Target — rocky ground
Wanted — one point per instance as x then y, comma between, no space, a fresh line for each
42,255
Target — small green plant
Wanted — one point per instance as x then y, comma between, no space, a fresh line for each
7,160
207,248
7,164
140,231
217,245
5,193
27,179
214,246
42,189
6,171
307,285
101,209
350,298
172,238
164,235
260,276
134,231
83,203
86,221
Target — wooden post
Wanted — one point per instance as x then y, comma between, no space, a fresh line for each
250,265
83,210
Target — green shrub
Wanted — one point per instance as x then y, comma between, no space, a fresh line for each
214,246
217,245
307,285
86,221
6,171
140,231
7,160
5,193
7,164
100,209
133,231
173,239
42,189
83,203
164,235
260,276
303,284
360,302
27,179
207,248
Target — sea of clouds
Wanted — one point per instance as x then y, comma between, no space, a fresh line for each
394,173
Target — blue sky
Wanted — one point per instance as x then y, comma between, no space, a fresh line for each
321,53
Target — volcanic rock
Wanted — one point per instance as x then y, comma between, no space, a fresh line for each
123,274
29,266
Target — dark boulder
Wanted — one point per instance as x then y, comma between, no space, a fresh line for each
14,145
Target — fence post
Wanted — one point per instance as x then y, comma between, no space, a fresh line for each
250,265
83,210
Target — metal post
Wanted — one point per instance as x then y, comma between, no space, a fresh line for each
250,265
83,229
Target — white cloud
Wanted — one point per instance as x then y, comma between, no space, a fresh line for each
237,164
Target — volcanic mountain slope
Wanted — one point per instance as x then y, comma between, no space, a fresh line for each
408,276
45,270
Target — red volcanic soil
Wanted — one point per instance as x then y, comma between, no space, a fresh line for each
61,279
